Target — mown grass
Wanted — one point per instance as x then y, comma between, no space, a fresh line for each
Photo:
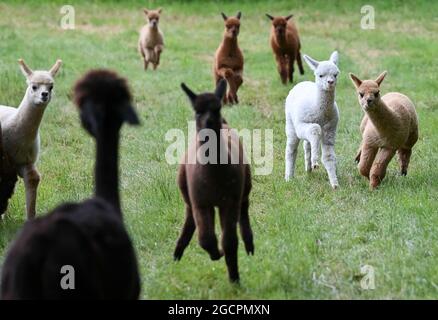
310,241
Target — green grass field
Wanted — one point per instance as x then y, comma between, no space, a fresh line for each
310,241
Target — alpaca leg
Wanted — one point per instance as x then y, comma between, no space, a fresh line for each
227,74
186,234
358,154
204,219
300,63
404,156
281,67
329,161
307,156
245,228
237,82
366,160
291,150
157,50
378,170
291,69
31,179
312,133
228,218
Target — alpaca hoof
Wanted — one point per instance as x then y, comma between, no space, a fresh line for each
216,256
178,254
287,177
235,279
250,250
404,173
315,166
335,186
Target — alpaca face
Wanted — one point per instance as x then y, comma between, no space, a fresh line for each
232,25
207,106
153,17
279,24
368,91
326,72
40,83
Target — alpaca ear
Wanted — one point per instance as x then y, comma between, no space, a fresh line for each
27,72
312,63
380,78
239,15
269,16
129,115
334,57
356,81
192,96
221,88
54,70
224,16
160,10
146,12
288,17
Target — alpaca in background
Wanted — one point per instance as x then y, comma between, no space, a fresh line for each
151,41
89,236
286,46
205,186
390,125
312,116
20,130
228,59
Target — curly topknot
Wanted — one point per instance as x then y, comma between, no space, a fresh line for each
102,87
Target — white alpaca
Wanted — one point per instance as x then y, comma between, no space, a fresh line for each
20,129
312,116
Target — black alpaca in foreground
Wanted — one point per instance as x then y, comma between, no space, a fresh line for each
205,186
88,236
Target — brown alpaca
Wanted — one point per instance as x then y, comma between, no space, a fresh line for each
206,185
286,46
390,125
228,60
151,43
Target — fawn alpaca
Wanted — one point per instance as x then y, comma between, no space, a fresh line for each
286,46
206,186
390,125
151,41
228,59
89,236
312,116
20,130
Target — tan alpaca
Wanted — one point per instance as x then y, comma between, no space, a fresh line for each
151,41
390,125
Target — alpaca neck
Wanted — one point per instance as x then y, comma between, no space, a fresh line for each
28,118
230,45
326,100
281,40
106,169
383,118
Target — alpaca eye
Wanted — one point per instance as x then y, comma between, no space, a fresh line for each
336,75
377,94
50,88
361,94
34,88
320,75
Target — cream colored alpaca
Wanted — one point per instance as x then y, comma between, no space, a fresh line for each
151,41
20,128
390,125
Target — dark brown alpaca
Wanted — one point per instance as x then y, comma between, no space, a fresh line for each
89,236
228,60
209,185
8,178
286,46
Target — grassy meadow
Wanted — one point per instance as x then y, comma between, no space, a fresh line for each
310,241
